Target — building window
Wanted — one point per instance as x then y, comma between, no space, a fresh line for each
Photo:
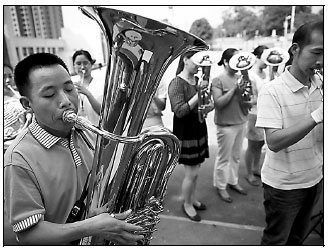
24,52
30,50
18,54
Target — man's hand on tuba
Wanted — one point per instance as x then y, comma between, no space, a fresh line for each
115,229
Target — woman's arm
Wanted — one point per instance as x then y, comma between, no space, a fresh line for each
222,99
179,105
94,103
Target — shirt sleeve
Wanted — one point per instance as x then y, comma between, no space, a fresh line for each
216,83
179,104
22,198
268,108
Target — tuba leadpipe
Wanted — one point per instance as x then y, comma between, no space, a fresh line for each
133,175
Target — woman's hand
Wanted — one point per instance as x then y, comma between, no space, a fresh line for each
203,84
82,89
209,107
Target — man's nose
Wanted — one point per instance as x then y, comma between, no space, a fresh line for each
64,100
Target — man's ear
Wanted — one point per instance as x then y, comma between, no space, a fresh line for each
294,48
26,103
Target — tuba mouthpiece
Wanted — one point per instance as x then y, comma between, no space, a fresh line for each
317,71
69,116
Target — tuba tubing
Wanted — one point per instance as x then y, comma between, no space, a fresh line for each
130,170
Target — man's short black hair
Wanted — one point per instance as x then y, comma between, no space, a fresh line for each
302,36
30,63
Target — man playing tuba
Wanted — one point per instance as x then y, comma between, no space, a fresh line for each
42,179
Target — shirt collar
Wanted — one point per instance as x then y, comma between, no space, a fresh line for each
294,84
41,135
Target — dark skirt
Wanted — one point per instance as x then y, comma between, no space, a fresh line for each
193,139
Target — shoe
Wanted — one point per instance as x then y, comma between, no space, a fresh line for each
224,198
253,182
201,207
196,217
238,189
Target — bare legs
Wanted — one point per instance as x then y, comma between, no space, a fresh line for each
189,188
252,159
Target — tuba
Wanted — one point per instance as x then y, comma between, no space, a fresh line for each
204,59
243,61
130,169
274,57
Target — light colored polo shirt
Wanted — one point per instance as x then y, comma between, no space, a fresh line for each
44,175
282,103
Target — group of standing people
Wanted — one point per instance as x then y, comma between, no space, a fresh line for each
286,113
230,121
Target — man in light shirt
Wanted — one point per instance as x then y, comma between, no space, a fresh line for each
290,109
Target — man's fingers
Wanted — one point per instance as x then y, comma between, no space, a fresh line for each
122,216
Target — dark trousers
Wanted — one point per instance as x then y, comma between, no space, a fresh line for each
288,214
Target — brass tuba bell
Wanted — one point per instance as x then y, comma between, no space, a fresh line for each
131,170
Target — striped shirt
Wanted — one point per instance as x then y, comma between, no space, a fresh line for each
282,103
48,171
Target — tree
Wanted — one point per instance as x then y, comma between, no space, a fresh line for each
273,17
202,29
304,17
241,20
247,20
